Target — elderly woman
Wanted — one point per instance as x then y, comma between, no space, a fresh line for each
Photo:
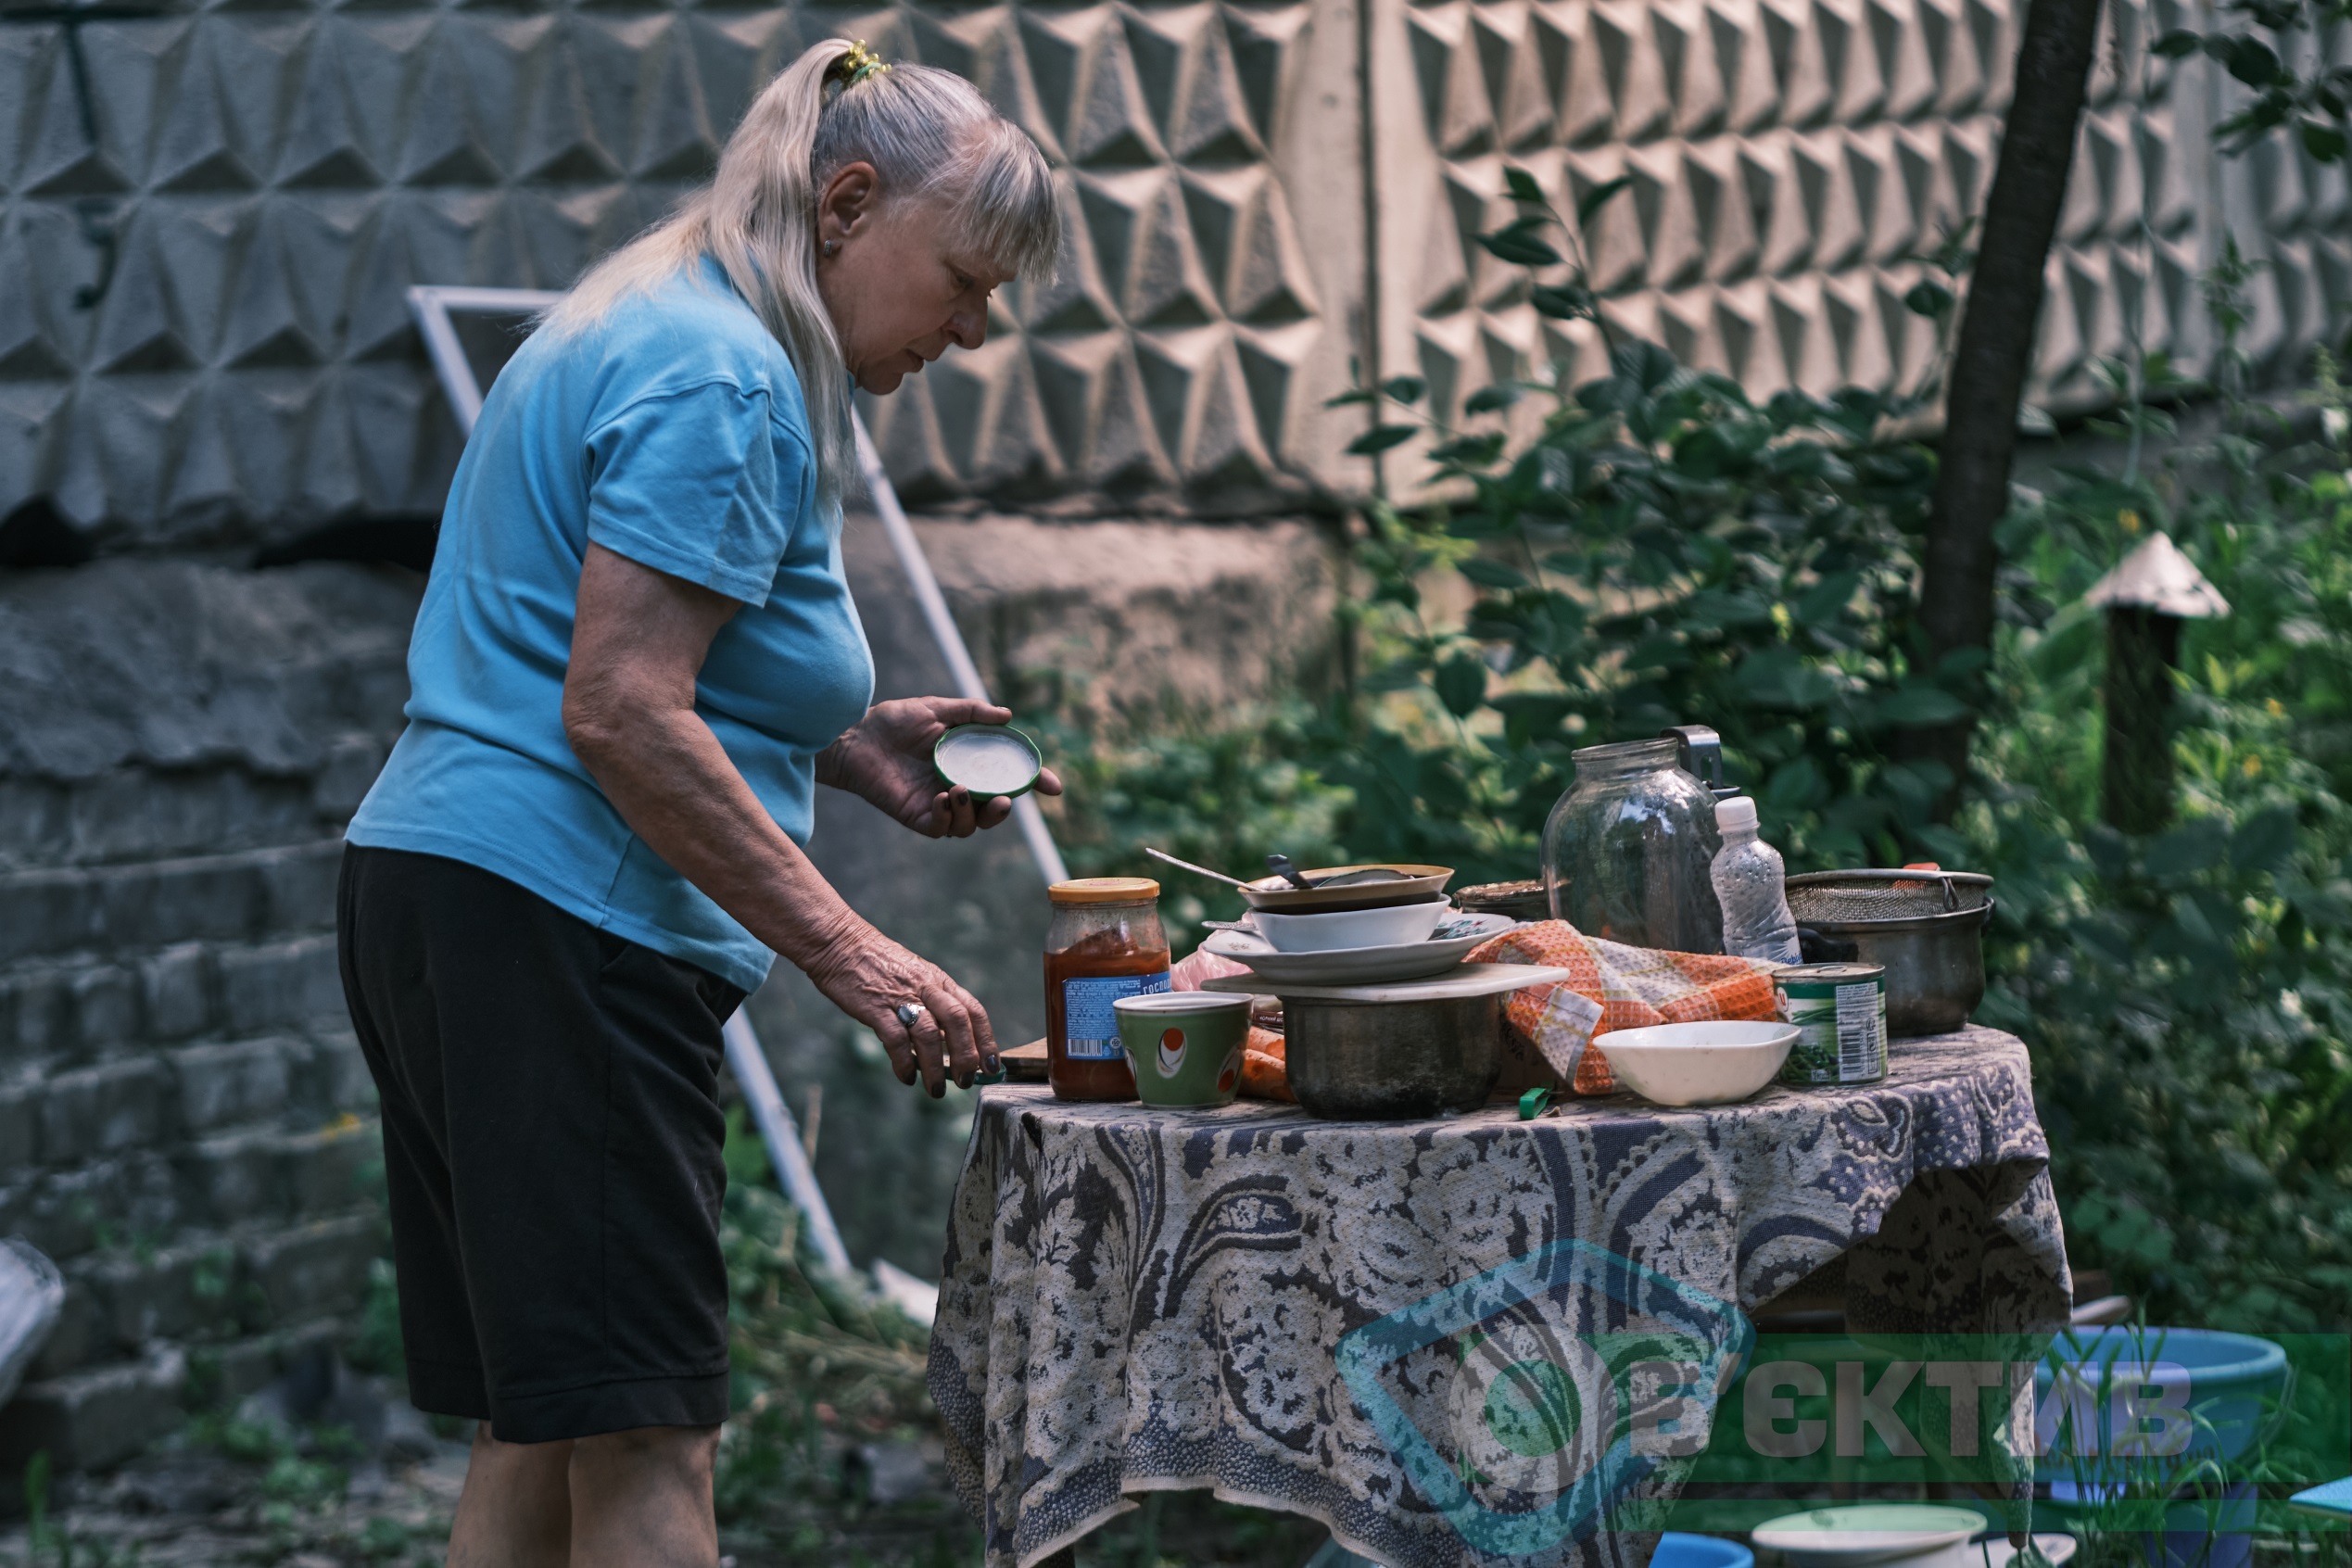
636,658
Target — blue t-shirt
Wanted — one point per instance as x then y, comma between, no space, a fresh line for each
671,433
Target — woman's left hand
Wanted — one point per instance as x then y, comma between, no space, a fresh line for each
886,757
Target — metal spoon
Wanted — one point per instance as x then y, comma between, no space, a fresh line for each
1199,870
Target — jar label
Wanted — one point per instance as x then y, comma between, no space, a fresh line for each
1091,1023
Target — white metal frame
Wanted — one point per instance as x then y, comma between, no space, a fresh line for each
948,636
430,307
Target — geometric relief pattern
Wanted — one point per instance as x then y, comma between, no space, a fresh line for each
203,261
203,314
1168,353
1785,161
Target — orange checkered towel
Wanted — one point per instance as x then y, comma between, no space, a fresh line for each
1618,987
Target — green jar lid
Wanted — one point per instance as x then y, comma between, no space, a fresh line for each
992,761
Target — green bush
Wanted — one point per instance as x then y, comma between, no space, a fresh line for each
1656,548
1661,550
2187,994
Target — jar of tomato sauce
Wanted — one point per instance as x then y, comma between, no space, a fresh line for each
1105,943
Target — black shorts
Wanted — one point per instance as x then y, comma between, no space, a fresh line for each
552,1152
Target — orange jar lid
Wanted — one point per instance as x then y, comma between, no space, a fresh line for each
1104,890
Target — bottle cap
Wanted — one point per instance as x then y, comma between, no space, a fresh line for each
1736,812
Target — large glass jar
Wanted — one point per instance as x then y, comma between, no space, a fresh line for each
1626,849
1105,942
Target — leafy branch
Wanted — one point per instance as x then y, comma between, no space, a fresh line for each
2315,104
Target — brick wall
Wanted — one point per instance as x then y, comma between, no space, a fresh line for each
185,1121
184,1117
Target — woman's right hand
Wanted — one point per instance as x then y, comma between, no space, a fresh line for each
869,976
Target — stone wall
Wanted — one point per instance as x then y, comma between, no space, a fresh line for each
184,1116
204,340
1788,164
183,1111
209,232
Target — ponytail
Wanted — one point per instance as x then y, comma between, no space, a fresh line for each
925,132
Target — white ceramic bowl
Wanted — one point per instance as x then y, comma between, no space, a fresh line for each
1913,1534
1326,931
1697,1064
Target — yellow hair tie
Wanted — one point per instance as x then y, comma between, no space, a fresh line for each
858,64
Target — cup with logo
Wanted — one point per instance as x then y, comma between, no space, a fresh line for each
1185,1047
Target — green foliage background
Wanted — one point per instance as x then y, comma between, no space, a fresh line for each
1590,564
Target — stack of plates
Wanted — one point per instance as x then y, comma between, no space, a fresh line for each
1361,966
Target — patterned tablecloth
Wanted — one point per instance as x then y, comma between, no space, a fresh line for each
1139,1300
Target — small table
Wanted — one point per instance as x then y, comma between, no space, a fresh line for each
1144,1300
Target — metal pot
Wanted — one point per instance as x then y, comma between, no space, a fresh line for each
1384,1061
1926,928
1522,901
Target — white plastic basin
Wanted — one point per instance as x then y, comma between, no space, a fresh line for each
1914,1535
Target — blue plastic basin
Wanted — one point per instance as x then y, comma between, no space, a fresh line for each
2233,1382
1678,1548
2235,1385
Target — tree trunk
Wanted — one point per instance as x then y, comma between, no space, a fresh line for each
1995,349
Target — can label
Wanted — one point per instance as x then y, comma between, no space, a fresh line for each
1841,1014
1091,1022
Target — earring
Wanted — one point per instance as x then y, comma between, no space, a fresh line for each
831,246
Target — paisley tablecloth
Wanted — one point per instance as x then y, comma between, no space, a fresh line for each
1139,1300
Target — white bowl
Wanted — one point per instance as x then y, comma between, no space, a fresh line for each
1915,1536
1327,930
1697,1064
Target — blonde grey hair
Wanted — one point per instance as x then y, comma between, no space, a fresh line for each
929,135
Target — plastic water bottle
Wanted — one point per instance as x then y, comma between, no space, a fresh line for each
1752,885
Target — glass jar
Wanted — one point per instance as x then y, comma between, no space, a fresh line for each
1627,848
1105,942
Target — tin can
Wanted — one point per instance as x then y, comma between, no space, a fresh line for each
1841,1014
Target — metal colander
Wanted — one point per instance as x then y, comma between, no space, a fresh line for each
1846,898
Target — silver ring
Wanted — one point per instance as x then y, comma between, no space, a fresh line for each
908,1012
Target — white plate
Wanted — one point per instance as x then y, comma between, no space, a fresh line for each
1361,966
